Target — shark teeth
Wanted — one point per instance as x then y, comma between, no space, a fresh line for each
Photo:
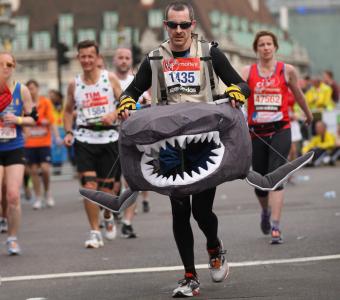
182,141
213,162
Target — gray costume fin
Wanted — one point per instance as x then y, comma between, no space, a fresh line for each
108,201
271,181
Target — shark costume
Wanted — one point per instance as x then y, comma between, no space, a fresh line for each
220,132
189,147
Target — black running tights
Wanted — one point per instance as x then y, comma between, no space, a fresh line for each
201,207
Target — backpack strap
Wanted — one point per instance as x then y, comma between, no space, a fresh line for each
157,77
209,72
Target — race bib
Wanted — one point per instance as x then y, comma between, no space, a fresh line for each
95,107
268,101
182,75
38,131
8,132
267,117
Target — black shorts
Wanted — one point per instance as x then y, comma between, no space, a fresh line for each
38,155
265,159
101,158
12,157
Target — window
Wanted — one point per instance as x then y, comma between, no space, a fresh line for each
21,25
65,22
155,18
135,36
41,40
20,43
66,37
235,23
244,25
125,36
215,17
111,19
86,34
224,25
108,39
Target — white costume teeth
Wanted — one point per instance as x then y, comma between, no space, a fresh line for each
182,140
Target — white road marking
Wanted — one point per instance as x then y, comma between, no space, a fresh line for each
166,269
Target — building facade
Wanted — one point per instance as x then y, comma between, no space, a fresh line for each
139,22
315,24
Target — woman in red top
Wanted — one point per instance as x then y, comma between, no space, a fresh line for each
268,121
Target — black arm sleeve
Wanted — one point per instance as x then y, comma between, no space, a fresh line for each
141,82
221,65
226,72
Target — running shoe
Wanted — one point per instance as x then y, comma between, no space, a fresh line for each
95,240
146,206
265,223
37,204
127,232
110,231
218,265
3,225
189,286
50,201
276,236
13,247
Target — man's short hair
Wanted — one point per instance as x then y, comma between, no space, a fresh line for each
87,44
180,6
32,81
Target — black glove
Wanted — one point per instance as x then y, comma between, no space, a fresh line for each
126,102
234,92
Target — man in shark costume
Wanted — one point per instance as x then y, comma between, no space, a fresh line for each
187,149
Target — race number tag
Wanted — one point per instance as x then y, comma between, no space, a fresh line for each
182,75
268,100
267,117
8,132
38,131
95,106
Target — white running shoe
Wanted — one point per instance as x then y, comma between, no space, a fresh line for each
95,240
13,247
50,201
189,286
218,265
110,229
37,204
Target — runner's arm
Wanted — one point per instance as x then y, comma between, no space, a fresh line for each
225,71
69,107
117,91
141,82
27,107
221,65
298,94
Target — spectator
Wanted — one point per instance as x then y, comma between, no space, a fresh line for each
58,151
328,79
322,143
318,97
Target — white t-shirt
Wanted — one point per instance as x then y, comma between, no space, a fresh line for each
124,83
93,102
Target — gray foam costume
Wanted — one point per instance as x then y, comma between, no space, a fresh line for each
219,126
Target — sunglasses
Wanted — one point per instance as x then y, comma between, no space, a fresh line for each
173,25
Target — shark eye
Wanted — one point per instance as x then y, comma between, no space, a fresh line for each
181,160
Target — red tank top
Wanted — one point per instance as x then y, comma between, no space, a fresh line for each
268,101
